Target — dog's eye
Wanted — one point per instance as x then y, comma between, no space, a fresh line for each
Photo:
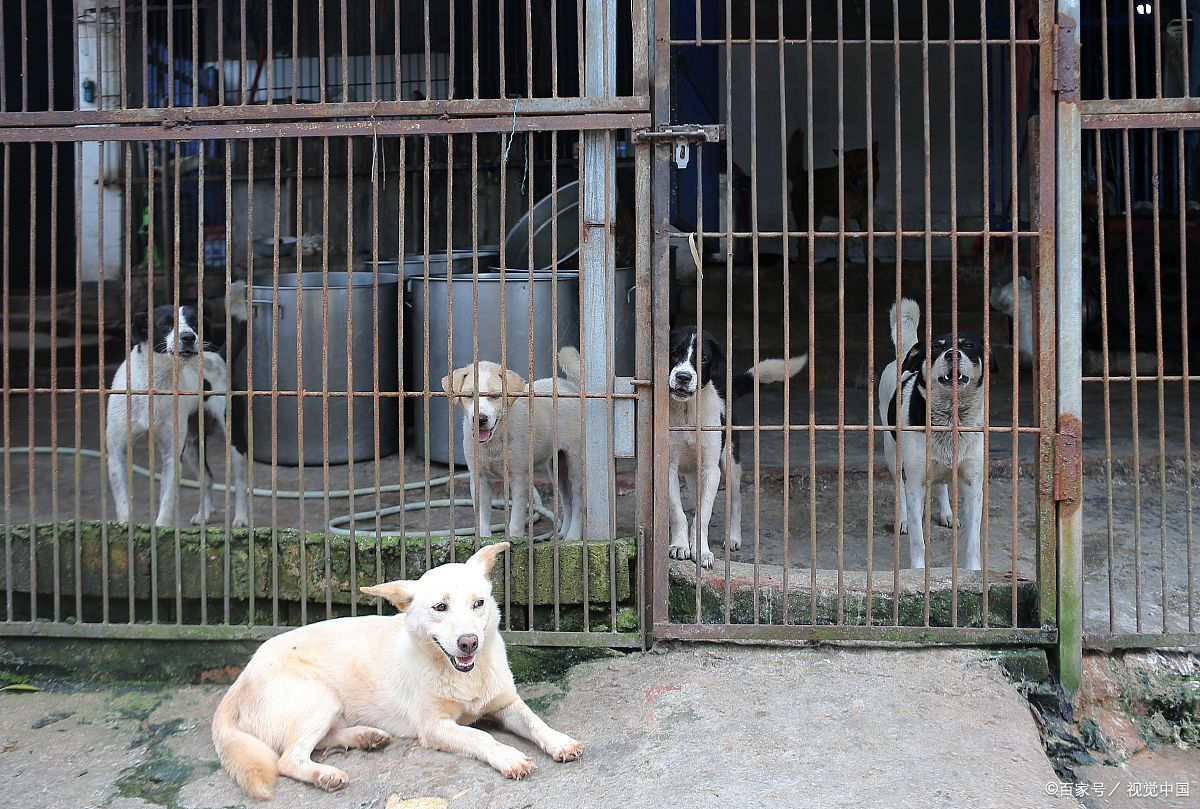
478,603
440,606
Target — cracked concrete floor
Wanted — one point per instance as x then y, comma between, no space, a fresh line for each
698,725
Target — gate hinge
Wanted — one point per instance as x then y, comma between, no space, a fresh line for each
1068,462
681,133
1066,59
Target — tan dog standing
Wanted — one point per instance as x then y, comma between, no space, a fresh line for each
357,682
504,436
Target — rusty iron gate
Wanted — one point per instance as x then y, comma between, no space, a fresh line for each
777,174
941,120
1130,121
363,164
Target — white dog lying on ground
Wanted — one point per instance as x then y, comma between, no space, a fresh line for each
357,682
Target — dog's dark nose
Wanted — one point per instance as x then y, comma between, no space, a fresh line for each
483,421
683,376
467,644
187,340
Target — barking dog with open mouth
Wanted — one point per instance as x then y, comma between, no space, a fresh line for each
695,381
496,433
951,366
169,356
357,682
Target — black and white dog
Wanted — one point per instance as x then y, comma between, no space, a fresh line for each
949,365
695,380
169,356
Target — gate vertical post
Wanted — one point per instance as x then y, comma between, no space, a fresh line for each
596,285
1069,343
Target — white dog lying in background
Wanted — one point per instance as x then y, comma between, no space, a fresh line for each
497,439
357,682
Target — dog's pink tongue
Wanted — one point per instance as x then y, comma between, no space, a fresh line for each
484,435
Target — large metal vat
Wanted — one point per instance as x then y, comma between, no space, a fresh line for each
298,335
520,293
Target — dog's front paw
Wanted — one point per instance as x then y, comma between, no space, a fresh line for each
511,762
706,559
945,519
734,541
567,750
239,522
201,517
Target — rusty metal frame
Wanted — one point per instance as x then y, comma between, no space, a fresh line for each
595,116
1081,121
663,624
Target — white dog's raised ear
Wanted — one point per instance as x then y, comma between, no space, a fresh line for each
485,557
514,386
400,593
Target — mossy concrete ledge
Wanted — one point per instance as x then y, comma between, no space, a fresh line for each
298,567
802,596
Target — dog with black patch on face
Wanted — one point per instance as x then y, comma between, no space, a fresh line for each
956,368
168,355
695,381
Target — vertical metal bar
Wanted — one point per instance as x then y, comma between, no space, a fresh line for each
405,401
754,273
325,369
300,399
276,210
811,226
927,321
1135,417
1014,206
1181,158
31,397
377,466
727,582
986,240
201,399
56,561
1107,389
1158,344
841,281
643,371
955,422
596,268
5,393
1044,305
869,225
251,385
1069,369
227,560
348,396
657,560
78,340
151,399
897,490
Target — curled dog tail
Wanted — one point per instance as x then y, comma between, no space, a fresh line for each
251,762
568,361
767,371
910,321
